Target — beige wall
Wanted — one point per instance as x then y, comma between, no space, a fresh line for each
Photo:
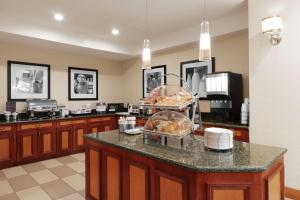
231,52
110,77
275,81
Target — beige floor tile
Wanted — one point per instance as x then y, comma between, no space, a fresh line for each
79,156
43,176
51,163
12,196
35,193
22,182
34,167
66,159
82,174
63,171
2,175
14,172
74,196
77,182
79,167
82,193
5,188
57,189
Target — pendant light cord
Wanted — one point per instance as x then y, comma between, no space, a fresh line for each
204,12
146,20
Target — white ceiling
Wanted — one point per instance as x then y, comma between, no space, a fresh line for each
88,23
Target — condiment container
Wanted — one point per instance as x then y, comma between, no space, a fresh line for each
122,124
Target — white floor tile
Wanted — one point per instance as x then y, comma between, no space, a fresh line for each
79,156
79,167
43,176
14,172
51,163
74,196
77,182
5,188
34,193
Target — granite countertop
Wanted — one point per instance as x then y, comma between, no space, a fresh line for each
244,157
3,122
226,124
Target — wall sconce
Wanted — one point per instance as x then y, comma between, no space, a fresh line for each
272,26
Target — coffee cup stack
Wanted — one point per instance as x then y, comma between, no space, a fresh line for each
245,112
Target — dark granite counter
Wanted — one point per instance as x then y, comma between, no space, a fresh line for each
226,124
4,122
192,154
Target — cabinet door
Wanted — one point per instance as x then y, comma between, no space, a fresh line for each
112,184
65,140
136,181
7,146
27,145
170,186
79,131
107,126
94,128
47,142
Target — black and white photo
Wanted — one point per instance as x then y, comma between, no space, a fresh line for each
194,74
28,81
153,78
83,84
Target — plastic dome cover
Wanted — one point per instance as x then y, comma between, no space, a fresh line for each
169,122
168,95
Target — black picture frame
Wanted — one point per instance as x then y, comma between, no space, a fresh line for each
213,60
70,79
164,69
10,64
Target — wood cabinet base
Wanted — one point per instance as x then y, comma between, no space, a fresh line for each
115,174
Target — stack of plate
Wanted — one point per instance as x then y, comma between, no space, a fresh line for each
218,138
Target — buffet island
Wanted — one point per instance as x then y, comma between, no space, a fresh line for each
142,167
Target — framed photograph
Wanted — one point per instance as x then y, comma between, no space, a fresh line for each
153,78
27,81
83,84
194,74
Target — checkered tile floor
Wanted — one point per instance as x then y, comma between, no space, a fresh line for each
61,178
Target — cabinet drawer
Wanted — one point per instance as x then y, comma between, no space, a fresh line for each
71,122
5,128
100,119
29,126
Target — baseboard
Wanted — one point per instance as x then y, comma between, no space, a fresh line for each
292,193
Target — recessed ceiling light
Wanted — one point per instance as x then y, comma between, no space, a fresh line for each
115,31
58,17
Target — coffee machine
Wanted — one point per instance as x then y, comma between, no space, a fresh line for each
225,92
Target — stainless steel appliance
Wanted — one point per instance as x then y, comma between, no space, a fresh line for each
225,91
42,108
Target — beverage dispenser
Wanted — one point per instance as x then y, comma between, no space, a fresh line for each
225,92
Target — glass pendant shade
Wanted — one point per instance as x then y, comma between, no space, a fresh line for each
204,42
146,57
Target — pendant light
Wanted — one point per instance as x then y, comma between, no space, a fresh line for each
204,40
146,57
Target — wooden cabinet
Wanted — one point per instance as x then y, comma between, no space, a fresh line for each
141,122
101,124
47,142
115,174
35,141
170,186
7,146
136,180
64,140
78,132
27,145
70,136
